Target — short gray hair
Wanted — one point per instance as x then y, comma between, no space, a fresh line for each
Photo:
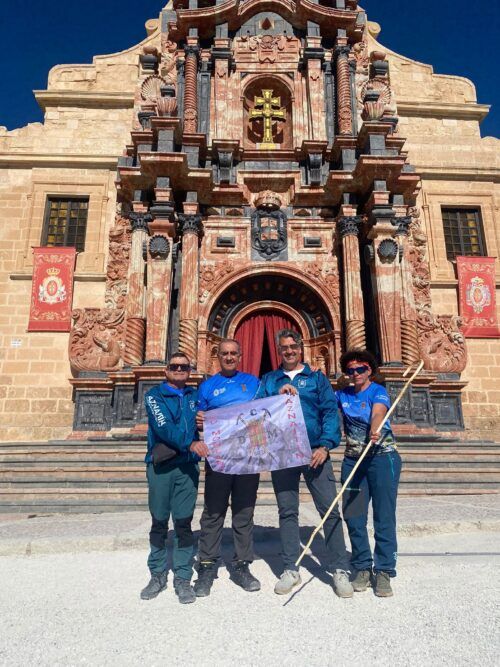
228,340
288,333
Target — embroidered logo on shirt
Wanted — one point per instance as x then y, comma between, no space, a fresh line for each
301,383
219,391
155,409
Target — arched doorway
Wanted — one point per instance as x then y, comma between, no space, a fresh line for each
255,307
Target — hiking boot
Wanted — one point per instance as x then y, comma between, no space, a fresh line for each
157,584
207,572
242,576
184,590
287,581
341,584
362,581
383,585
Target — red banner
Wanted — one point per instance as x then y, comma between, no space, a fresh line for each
52,289
476,285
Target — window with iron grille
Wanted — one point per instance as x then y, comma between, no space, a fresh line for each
66,222
463,233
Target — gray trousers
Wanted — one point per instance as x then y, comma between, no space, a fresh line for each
220,489
321,484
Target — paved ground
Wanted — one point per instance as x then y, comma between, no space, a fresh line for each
84,609
20,535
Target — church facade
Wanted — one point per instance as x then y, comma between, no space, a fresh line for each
247,167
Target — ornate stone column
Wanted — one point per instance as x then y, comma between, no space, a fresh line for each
221,59
188,317
135,310
159,291
313,56
353,295
191,87
409,331
383,256
344,102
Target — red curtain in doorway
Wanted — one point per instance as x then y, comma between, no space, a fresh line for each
275,323
250,336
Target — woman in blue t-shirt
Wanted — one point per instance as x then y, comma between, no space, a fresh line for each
364,405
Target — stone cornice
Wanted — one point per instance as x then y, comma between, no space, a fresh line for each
457,173
83,98
465,111
32,160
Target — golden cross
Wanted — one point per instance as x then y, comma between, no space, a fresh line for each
268,112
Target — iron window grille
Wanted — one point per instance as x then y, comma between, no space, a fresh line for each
65,222
463,232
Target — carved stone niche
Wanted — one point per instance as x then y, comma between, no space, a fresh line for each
255,109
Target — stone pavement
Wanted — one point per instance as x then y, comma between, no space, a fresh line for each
62,533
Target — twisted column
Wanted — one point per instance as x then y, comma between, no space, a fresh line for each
158,298
191,89
135,313
344,102
188,313
353,295
409,332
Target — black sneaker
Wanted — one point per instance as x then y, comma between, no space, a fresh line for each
207,572
362,580
184,590
383,585
242,576
157,584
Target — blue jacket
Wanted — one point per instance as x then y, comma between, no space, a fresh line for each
317,400
171,419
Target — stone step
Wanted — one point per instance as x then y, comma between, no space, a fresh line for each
66,477
20,462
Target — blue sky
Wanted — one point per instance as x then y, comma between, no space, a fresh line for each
455,36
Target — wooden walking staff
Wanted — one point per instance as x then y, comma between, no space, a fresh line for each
358,463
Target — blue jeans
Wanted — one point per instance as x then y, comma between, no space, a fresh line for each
172,492
377,480
321,484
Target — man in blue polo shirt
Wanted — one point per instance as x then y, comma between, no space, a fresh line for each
229,387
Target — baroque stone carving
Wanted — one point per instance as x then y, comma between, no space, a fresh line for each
159,247
118,263
151,87
269,232
442,344
388,250
168,68
211,276
95,342
349,225
190,224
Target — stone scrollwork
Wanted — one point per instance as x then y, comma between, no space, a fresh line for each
442,344
96,339
118,263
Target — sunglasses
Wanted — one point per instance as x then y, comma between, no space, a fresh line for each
179,367
293,348
358,369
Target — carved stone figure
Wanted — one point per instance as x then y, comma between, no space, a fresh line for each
95,342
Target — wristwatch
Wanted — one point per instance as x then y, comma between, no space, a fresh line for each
326,449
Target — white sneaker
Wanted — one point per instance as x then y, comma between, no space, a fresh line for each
287,581
341,584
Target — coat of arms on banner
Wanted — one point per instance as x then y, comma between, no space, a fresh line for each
478,294
267,434
52,288
476,289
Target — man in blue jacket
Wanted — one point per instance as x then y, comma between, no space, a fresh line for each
319,406
172,473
